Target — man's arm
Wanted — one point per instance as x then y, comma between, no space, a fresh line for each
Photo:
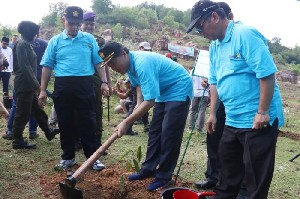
267,85
214,105
139,96
102,74
137,113
46,73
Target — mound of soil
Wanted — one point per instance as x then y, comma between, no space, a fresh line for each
293,136
105,184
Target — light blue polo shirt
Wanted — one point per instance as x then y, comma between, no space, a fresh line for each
72,56
236,65
160,78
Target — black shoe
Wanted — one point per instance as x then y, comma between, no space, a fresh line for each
132,133
22,144
142,174
51,133
33,135
205,184
8,135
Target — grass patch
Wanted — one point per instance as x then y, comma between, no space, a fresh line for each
20,170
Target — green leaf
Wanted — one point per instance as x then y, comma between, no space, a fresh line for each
136,165
128,166
139,153
122,183
125,154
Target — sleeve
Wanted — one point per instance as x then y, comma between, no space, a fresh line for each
212,75
256,53
148,79
49,58
23,53
95,56
1,58
11,60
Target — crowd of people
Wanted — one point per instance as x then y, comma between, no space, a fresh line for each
245,110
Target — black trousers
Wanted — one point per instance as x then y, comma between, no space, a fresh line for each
27,104
212,141
75,95
250,155
5,76
99,107
165,137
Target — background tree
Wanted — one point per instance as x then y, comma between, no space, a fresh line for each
56,11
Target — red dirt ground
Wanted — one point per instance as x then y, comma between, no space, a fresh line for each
103,185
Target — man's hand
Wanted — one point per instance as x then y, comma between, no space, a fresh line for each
204,82
211,123
104,90
42,99
37,91
121,129
260,121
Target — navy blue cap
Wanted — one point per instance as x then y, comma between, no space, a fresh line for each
89,16
73,14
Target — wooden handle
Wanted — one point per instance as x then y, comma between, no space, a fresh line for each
3,107
89,162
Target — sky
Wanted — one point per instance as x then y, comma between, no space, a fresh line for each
273,18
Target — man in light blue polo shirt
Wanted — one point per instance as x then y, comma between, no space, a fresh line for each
73,55
242,76
167,86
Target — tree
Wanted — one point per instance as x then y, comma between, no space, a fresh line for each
125,16
117,29
56,11
102,7
103,10
6,31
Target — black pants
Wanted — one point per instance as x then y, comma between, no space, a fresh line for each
99,107
165,137
250,155
212,141
75,95
27,104
5,76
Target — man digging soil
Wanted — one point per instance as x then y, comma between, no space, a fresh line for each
167,86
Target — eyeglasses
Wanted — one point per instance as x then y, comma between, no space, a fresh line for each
199,28
74,24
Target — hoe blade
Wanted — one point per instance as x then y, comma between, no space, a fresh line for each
70,192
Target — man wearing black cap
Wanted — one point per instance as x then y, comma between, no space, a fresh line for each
27,87
167,86
242,76
8,68
73,55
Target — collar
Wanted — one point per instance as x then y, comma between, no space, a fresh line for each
228,34
65,36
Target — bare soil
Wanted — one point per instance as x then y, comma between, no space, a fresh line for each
105,184
291,135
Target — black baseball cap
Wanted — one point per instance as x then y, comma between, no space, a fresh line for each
109,50
74,14
199,10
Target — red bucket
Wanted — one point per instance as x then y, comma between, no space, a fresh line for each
188,194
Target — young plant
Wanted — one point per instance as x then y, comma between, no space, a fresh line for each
136,161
